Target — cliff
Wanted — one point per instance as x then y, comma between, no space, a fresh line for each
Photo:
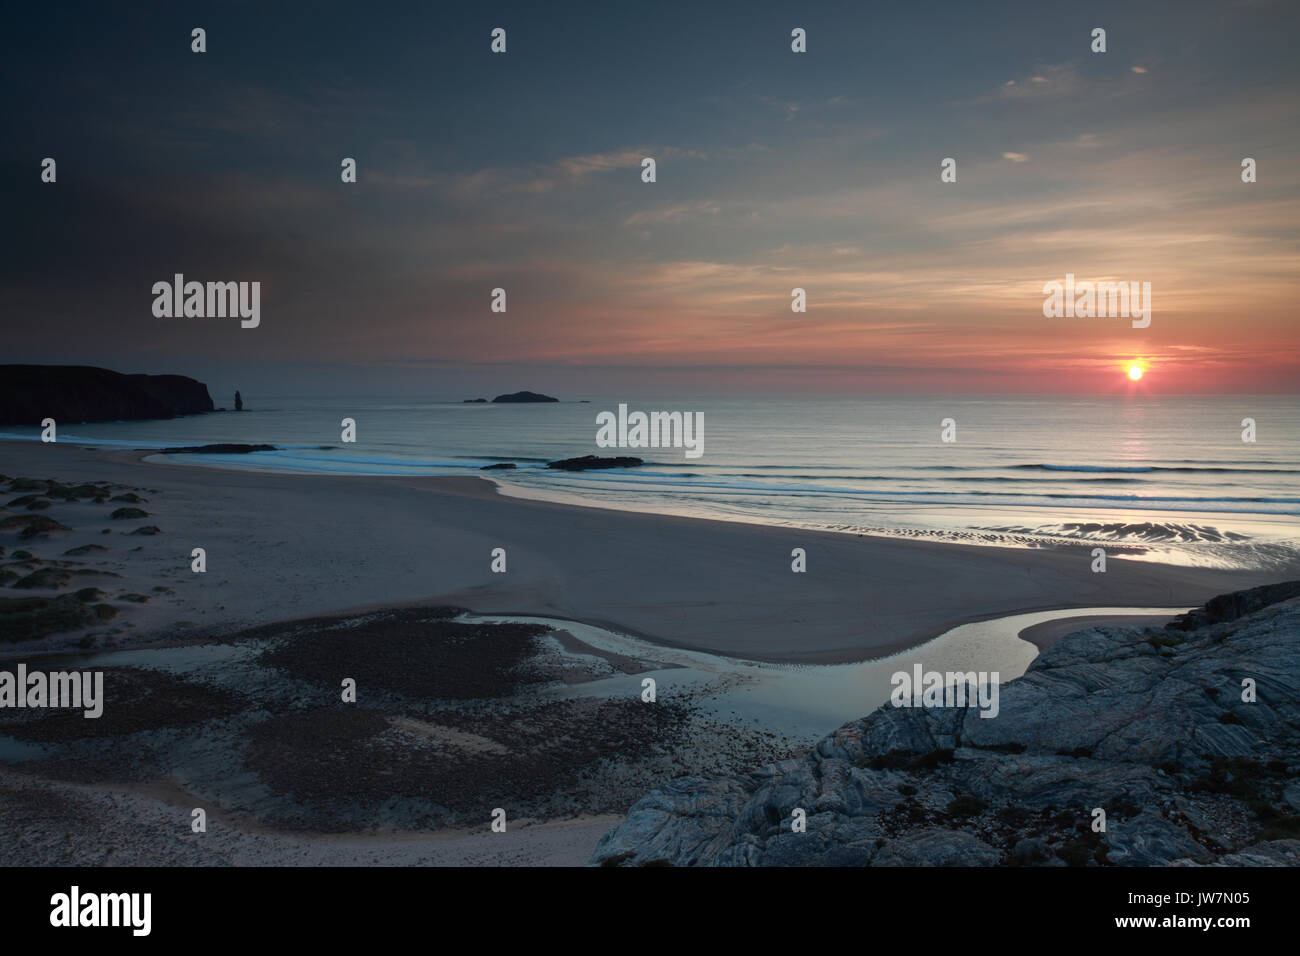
82,393
1149,725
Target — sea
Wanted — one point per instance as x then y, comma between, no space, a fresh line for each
1167,478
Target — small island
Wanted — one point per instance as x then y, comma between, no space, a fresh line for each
519,397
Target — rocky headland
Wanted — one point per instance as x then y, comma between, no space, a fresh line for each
82,393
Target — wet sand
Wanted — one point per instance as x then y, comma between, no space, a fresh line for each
288,546
1048,633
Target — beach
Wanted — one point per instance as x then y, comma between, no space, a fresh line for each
462,460
280,547
223,685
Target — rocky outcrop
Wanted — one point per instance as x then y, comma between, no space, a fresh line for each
82,393
1229,607
221,448
517,397
26,618
1156,727
589,462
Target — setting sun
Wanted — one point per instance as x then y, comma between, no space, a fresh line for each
1135,372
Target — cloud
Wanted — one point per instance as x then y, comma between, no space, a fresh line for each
1046,82
673,214
567,172
578,167
1016,157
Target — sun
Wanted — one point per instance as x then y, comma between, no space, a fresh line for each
1135,372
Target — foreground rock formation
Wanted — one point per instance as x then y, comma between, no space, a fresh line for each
83,393
1148,725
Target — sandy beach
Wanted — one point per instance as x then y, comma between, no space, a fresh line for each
1048,633
79,825
280,547
236,710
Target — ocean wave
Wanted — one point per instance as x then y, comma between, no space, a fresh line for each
1137,469
1146,531
642,479
494,458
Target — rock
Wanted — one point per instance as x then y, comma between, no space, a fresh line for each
522,397
937,847
25,501
29,484
1268,853
1104,718
684,823
26,618
50,579
474,401
1149,839
588,462
217,449
1292,796
499,466
128,514
84,549
82,393
1030,851
147,529
30,526
1229,607
78,491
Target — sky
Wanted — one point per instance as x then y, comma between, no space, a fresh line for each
774,170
